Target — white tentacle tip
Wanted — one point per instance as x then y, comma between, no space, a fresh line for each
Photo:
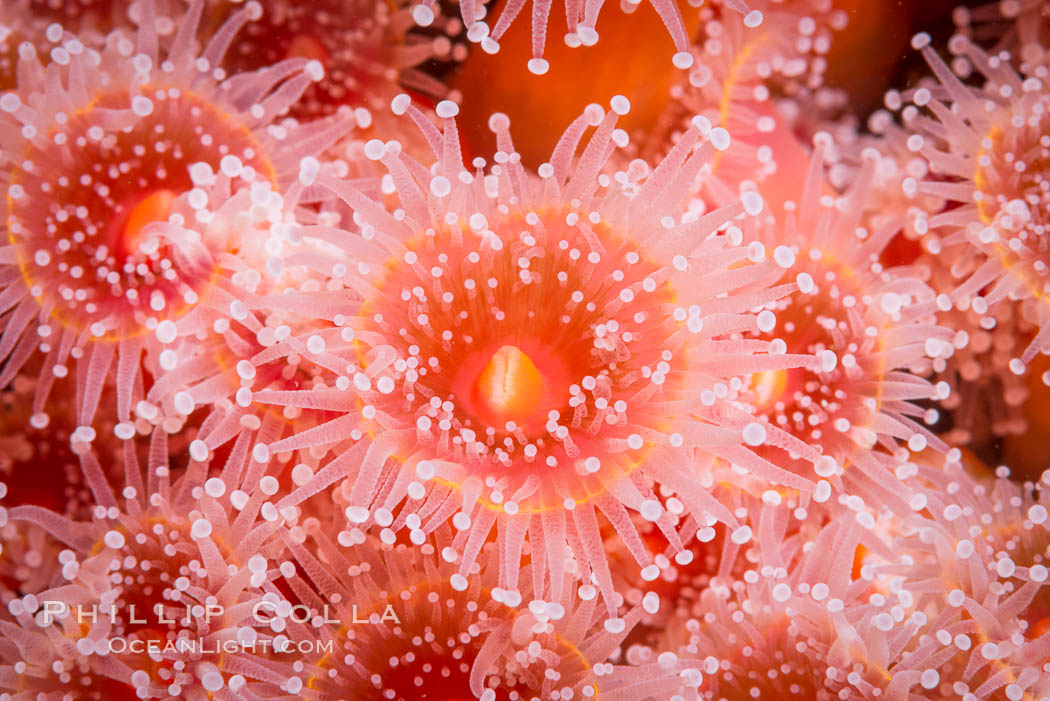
682,59
539,66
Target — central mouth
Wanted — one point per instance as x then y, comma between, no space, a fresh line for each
155,207
509,388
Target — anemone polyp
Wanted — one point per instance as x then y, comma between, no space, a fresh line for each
535,324
108,186
15,21
364,47
710,556
981,632
162,573
427,637
28,559
978,370
976,364
1011,175
777,662
1011,549
738,66
79,209
403,626
530,350
846,337
989,152
781,629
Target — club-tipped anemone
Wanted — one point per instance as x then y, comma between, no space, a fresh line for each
888,199
741,67
177,556
365,48
978,370
740,61
713,558
260,342
849,339
989,155
244,223
792,625
306,398
580,18
403,626
971,561
223,424
529,350
1003,527
116,163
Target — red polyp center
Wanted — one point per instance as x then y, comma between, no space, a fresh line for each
155,207
769,386
306,46
1038,616
83,212
509,388
443,678
533,356
774,670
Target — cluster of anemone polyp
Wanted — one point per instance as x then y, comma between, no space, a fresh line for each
310,389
